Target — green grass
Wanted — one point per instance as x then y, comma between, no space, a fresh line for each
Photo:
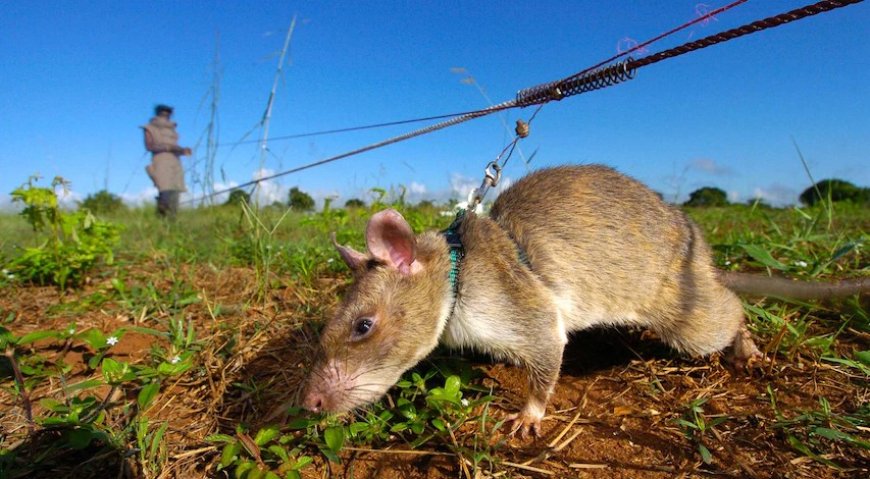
201,336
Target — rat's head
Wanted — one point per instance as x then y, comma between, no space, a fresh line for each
390,319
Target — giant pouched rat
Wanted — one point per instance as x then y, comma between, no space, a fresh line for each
563,249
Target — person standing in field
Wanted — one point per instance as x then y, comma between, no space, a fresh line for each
165,170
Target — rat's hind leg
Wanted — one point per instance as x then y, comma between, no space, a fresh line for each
710,319
743,350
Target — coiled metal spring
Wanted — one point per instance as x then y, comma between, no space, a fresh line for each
577,84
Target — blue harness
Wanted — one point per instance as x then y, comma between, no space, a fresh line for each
457,251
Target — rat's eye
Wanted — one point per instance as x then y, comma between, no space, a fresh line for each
361,328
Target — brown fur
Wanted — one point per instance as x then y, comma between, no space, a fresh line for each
600,249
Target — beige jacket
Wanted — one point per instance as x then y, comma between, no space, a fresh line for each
165,168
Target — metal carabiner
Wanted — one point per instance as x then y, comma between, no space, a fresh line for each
492,173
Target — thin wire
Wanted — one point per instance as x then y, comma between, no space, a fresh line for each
354,128
389,141
754,27
668,33
518,137
455,119
769,22
702,18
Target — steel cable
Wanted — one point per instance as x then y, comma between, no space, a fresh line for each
593,78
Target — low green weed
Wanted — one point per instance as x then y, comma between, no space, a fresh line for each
78,412
816,432
150,300
421,410
697,425
259,245
150,445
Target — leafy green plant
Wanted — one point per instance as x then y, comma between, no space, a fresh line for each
100,343
10,344
78,413
269,454
696,425
71,243
813,433
421,414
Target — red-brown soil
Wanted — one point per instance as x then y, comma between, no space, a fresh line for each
612,415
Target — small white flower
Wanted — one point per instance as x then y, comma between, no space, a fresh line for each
111,340
800,264
71,331
727,262
175,359
464,402
330,260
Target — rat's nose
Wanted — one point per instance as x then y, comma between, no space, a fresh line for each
313,401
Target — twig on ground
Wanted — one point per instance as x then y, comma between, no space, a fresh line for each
22,391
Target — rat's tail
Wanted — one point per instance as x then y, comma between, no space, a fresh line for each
757,284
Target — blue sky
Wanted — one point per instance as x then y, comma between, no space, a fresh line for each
78,78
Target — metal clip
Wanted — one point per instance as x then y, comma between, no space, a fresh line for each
492,175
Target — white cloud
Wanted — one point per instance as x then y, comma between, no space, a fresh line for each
461,186
710,166
67,198
268,191
6,204
140,198
776,194
417,188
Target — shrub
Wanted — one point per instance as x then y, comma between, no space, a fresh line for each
354,203
707,196
300,200
70,243
102,202
837,190
238,196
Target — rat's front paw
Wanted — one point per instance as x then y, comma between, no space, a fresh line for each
525,421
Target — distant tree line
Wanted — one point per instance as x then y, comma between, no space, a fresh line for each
836,190
103,201
833,189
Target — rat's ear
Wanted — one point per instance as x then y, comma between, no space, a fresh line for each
353,258
389,239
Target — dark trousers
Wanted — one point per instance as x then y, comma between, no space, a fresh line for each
167,203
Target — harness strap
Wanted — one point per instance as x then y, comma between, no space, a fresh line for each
457,251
